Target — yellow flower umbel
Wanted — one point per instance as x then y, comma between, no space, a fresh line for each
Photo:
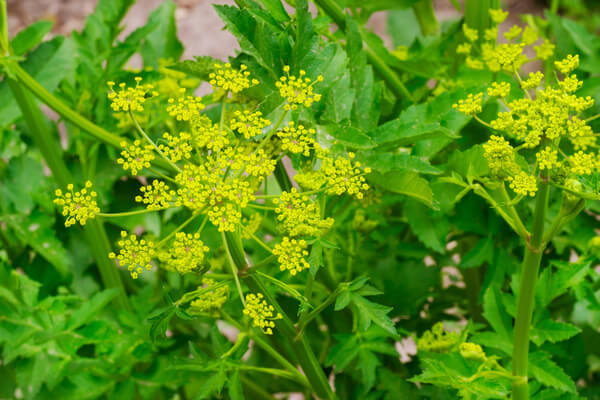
298,139
209,301
134,254
185,107
249,124
186,252
77,206
523,184
177,147
299,215
291,255
207,135
297,90
136,157
471,105
344,176
262,314
230,79
472,351
156,196
499,153
129,98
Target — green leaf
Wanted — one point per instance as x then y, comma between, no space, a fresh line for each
338,100
386,162
315,258
213,385
275,8
368,364
89,309
380,5
495,313
429,229
48,65
162,43
200,67
410,127
552,331
555,283
542,368
343,352
30,37
234,386
342,300
368,312
349,136
405,182
481,253
160,322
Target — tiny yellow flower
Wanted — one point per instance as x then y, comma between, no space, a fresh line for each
534,80
299,215
470,34
499,153
498,15
547,158
472,351
77,206
156,196
135,254
513,32
291,254
262,314
297,90
206,134
499,89
523,184
344,176
209,301
136,157
471,105
230,79
491,34
570,84
298,139
463,48
177,147
544,50
184,107
258,164
186,252
582,163
249,124
474,63
128,98
530,36
567,65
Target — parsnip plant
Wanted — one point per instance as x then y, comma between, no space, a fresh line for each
331,219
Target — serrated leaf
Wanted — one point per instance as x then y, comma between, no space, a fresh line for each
162,42
367,365
342,300
343,352
386,162
338,100
368,312
481,253
90,308
495,313
552,331
348,136
200,67
542,368
315,258
234,386
160,322
429,230
405,182
30,37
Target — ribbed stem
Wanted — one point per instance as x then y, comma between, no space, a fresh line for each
426,17
477,14
94,232
531,265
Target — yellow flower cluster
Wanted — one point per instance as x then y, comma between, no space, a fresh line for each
230,79
523,184
177,147
249,124
262,314
499,153
129,98
135,254
297,139
156,196
583,163
184,107
258,164
299,215
186,252
209,301
501,89
77,206
344,176
438,340
471,105
547,158
136,157
205,134
297,90
291,255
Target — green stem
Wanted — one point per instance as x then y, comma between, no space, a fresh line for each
477,14
94,230
375,58
145,135
426,17
330,299
234,269
179,228
127,213
531,265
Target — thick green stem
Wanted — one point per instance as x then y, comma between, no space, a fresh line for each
426,17
531,265
94,230
477,14
335,12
